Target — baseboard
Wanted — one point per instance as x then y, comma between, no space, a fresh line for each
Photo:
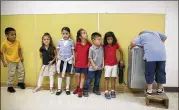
120,88
171,89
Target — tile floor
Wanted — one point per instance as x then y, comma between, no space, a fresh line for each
43,100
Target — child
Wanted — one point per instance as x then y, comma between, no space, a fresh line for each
111,63
81,60
155,58
48,55
11,56
65,59
96,55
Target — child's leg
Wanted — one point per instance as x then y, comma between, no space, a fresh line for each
90,76
83,77
11,71
60,82
113,77
39,84
107,75
77,76
51,81
160,76
106,84
68,81
97,81
113,83
20,69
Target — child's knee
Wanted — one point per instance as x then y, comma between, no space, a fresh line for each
106,78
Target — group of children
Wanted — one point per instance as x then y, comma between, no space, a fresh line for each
86,59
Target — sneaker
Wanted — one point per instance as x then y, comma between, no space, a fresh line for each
21,85
113,94
160,91
76,90
107,95
67,92
51,91
59,91
85,93
11,89
80,92
96,91
36,89
149,92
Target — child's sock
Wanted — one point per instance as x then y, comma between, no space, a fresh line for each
51,82
40,81
67,83
106,91
60,83
112,90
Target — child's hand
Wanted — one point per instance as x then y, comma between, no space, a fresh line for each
22,59
122,63
5,64
50,62
95,67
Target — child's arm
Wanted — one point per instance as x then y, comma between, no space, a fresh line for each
73,52
3,59
121,55
55,57
20,54
2,55
93,64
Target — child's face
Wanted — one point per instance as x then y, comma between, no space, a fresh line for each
84,34
65,35
97,41
11,36
46,40
109,40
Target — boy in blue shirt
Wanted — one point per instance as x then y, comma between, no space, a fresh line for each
155,58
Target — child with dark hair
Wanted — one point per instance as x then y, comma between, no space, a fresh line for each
48,55
65,59
96,64
111,63
81,60
11,56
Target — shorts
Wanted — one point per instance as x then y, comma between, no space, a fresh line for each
81,70
111,71
68,68
155,69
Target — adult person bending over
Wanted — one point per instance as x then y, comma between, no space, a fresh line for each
155,58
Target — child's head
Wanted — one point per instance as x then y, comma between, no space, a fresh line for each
47,40
96,38
65,33
10,34
109,38
81,34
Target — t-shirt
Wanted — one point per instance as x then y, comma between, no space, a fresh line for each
110,58
81,55
154,48
46,55
96,54
10,50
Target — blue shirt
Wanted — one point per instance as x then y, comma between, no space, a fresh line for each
154,48
65,48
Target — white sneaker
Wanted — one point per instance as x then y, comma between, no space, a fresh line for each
51,91
36,89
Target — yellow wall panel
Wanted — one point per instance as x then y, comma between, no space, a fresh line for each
127,26
24,25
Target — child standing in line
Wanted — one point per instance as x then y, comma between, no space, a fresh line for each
65,59
111,63
96,57
81,60
48,55
11,56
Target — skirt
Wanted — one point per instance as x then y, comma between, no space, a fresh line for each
48,70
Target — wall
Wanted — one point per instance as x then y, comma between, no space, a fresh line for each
143,7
